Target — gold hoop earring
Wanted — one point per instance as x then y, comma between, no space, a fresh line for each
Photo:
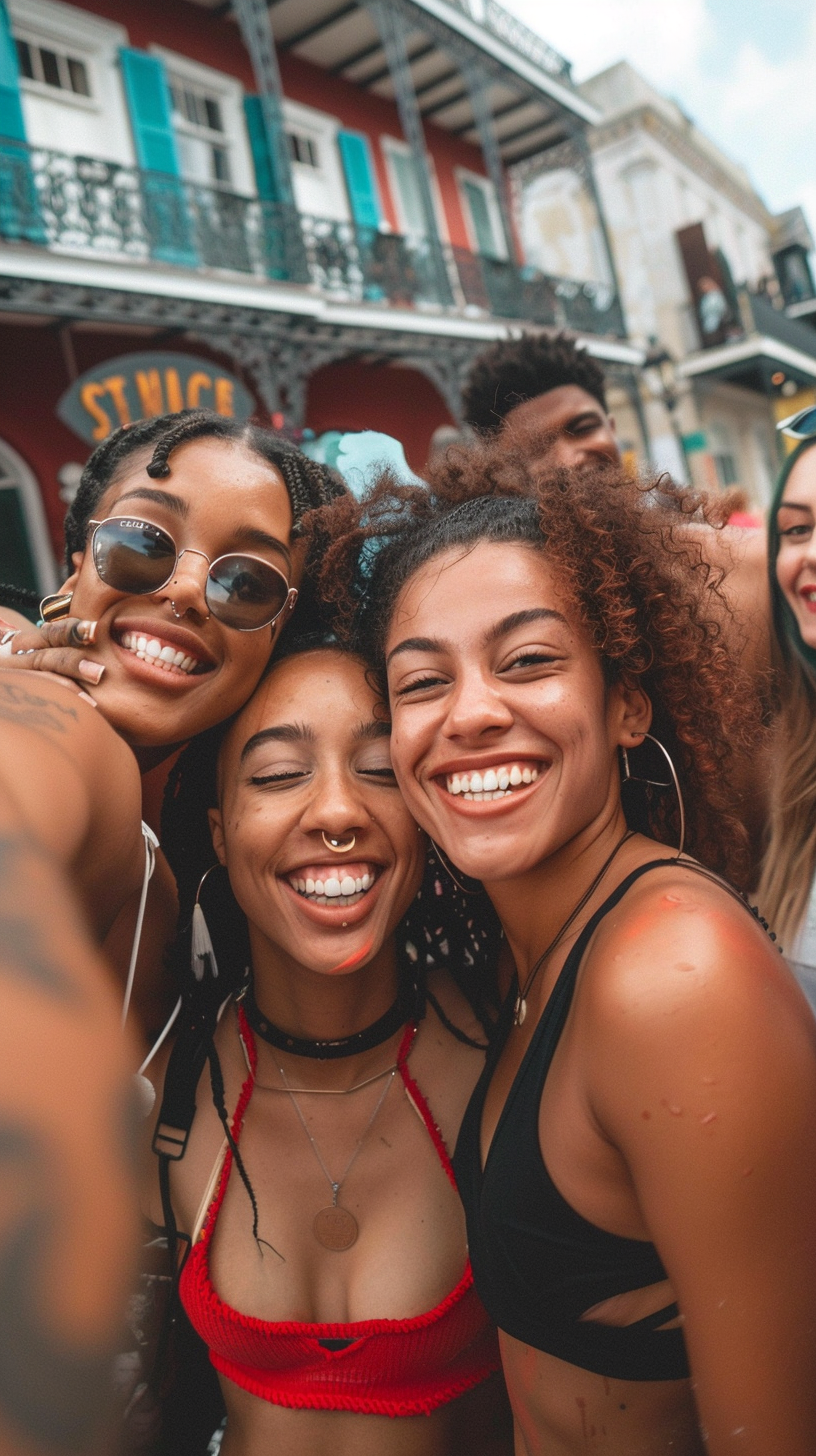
672,783
55,606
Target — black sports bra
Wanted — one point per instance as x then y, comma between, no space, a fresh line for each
538,1265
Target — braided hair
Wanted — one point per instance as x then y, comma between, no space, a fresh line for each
308,483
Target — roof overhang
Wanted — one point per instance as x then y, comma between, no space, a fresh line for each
803,310
747,359
532,100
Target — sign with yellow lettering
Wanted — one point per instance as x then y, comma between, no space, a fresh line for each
138,386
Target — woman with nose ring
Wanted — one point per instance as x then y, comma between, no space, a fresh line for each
638,1161
183,563
327,1270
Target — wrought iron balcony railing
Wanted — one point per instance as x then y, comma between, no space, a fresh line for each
519,36
91,207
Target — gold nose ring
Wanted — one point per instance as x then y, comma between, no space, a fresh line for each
338,846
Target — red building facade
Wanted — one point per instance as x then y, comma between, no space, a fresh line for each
312,204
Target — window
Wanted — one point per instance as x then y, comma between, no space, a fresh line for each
303,149
482,213
26,559
52,68
722,450
200,133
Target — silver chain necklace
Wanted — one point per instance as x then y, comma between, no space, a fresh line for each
334,1227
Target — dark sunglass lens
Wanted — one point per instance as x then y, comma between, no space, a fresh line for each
806,422
244,592
133,556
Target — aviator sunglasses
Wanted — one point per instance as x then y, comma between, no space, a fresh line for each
136,557
800,426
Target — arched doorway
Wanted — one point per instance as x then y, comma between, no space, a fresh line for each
26,558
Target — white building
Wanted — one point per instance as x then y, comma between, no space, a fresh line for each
678,210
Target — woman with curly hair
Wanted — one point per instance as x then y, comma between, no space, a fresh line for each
638,1161
787,888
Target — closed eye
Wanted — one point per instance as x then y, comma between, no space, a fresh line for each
385,773
532,659
286,776
419,685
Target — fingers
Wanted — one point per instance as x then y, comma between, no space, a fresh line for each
65,662
54,648
68,632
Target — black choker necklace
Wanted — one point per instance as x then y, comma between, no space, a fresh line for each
406,1007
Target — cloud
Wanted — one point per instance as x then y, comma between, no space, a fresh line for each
663,40
760,110
764,112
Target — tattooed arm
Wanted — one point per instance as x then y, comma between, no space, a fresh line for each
67,1202
76,786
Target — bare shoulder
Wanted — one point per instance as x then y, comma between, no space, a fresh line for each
678,938
76,784
33,705
681,976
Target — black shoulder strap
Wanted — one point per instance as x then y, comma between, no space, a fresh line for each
184,1068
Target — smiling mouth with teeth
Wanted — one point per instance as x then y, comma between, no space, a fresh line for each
158,654
491,783
343,885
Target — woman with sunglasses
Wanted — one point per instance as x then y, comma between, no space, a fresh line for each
183,562
328,1270
787,890
638,1162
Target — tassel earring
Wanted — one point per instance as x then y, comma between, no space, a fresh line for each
202,954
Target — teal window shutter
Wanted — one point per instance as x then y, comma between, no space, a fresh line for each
148,97
20,215
481,219
358,167
11,111
258,141
167,218
275,236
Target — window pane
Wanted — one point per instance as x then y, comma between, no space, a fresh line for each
79,77
24,59
213,114
312,152
221,171
50,66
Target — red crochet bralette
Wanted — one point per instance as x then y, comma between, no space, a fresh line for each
393,1367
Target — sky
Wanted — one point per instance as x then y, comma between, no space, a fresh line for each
744,70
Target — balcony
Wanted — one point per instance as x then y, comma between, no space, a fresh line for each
94,208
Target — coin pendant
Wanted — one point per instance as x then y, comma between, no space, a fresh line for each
335,1228
521,1010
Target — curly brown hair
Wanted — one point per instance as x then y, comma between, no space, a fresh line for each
634,568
